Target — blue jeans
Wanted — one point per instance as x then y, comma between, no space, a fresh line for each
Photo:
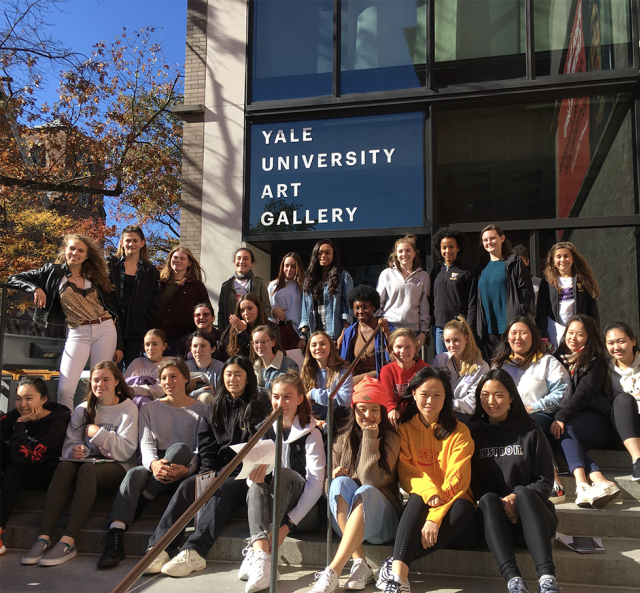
380,517
438,338
582,433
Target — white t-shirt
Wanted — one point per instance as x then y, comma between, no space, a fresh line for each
567,302
241,286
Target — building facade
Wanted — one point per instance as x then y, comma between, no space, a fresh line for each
362,120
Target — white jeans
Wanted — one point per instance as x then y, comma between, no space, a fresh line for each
98,341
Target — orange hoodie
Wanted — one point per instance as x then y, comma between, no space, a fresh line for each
429,467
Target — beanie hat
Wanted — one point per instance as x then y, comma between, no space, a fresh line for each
370,391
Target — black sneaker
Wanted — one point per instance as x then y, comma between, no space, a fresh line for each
113,550
635,476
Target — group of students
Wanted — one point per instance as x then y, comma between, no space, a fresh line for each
467,439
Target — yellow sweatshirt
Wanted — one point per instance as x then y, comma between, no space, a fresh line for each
429,467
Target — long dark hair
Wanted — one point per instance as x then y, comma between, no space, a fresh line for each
354,438
516,409
144,252
594,348
313,281
504,351
447,421
623,327
252,408
38,383
234,347
580,269
123,391
507,249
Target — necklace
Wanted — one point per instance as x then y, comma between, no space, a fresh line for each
75,280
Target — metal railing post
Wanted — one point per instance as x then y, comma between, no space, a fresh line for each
275,523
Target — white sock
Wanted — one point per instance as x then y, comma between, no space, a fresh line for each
117,525
397,579
546,576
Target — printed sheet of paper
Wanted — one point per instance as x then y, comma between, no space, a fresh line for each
264,453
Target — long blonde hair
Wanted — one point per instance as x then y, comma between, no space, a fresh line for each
310,366
193,271
580,269
94,267
471,358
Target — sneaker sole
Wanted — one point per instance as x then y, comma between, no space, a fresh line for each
3,550
584,505
358,586
111,562
635,479
58,561
186,574
598,503
558,499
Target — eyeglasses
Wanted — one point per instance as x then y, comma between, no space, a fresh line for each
262,343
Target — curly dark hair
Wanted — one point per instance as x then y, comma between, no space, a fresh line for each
364,293
313,282
449,233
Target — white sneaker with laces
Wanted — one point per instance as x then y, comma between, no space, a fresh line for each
360,576
326,581
603,493
184,564
245,567
384,573
548,584
395,586
260,574
583,496
156,566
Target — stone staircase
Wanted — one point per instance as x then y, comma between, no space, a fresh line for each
618,524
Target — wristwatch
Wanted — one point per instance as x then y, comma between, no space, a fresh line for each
289,523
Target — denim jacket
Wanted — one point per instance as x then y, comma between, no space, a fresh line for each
336,308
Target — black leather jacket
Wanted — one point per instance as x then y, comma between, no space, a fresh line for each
48,278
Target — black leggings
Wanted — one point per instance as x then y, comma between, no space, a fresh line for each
535,527
456,529
625,416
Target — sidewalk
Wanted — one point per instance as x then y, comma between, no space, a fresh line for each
81,576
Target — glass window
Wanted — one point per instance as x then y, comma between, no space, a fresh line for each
292,49
479,40
571,158
383,45
581,36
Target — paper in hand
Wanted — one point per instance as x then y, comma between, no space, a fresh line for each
264,453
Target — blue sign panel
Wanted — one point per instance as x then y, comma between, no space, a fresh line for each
338,174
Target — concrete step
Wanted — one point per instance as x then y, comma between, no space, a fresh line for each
629,490
223,577
620,518
604,458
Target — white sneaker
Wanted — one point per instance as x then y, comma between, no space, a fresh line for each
260,575
384,573
156,566
360,576
245,567
326,581
184,564
603,493
583,496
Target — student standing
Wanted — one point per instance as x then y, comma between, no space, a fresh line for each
241,283
285,296
137,290
568,287
31,438
453,286
182,288
512,479
77,288
324,301
405,289
504,286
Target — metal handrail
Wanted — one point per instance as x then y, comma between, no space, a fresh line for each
181,523
339,384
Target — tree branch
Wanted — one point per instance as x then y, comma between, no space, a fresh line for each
64,187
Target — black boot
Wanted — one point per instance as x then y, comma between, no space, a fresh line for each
113,550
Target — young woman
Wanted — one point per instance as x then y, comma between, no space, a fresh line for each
137,289
504,286
405,289
584,421
435,469
397,375
464,363
301,479
364,301
270,361
236,339
453,287
76,287
512,480
31,438
203,345
103,427
241,283
324,300
168,430
142,373
624,369
321,370
182,288
542,382
285,296
364,497
232,418
568,287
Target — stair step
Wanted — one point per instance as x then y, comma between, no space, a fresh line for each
620,518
